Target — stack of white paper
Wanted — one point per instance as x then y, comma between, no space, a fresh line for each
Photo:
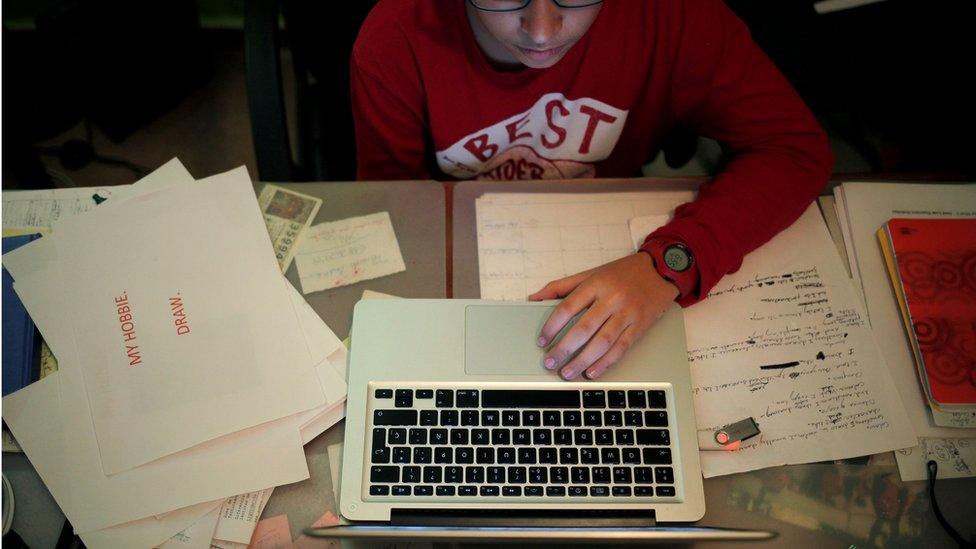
190,369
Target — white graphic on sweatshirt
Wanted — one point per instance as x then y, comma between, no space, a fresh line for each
555,138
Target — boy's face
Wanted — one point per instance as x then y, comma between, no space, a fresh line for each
537,36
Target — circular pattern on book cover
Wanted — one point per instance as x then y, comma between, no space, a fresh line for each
932,334
948,368
947,275
969,271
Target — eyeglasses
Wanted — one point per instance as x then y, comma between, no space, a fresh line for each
515,5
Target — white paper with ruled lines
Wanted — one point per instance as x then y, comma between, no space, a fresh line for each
783,340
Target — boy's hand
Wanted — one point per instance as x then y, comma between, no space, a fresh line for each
622,299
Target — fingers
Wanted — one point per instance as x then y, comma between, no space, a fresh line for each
612,356
559,288
595,348
576,337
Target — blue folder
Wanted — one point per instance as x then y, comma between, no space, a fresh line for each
19,341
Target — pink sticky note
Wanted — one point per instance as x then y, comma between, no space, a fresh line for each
272,533
326,521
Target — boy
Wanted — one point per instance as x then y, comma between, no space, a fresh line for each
531,89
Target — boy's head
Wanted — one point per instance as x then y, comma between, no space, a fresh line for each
536,33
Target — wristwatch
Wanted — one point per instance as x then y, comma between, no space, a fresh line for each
675,263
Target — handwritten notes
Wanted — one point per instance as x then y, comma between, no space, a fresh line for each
344,252
784,340
956,458
41,209
239,515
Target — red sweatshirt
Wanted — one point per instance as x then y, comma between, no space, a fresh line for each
427,103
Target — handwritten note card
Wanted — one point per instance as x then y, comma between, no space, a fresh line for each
784,340
344,252
956,458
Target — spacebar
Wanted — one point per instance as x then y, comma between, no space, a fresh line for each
491,398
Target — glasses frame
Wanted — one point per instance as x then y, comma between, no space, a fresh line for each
525,4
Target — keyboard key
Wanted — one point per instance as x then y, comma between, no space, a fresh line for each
610,455
500,436
480,437
656,399
459,436
577,491
665,491
604,437
516,475
534,491
621,475
643,491
485,455
443,454
541,437
449,418
438,436
664,475
411,474
423,454
453,475
433,474
401,454
510,418
521,437
601,475
428,418
444,398
657,456
469,418
388,473
569,456
418,436
401,490
592,418
556,491
572,419
467,491
580,475
424,394
643,475
530,399
489,490
397,436
506,454
466,398
530,418
538,475
559,475
550,418
383,393
548,455
633,419
394,417
404,398
616,399
621,491
594,399
474,474
582,437
464,454
599,491
495,475
423,490
445,490
562,436
613,419
526,456
379,490
658,418
489,417
631,455
381,454
625,437
512,491
590,456
637,399
655,437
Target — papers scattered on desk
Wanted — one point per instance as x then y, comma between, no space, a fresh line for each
956,458
190,344
340,253
288,214
783,340
40,209
239,515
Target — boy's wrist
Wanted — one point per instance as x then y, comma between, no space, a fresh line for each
675,262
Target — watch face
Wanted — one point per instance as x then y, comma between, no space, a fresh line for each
677,258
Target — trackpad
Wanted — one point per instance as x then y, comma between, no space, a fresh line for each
501,339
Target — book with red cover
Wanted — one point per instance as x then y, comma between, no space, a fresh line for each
936,261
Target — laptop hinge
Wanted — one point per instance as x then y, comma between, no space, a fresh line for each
525,518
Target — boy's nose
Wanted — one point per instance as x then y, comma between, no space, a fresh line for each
541,21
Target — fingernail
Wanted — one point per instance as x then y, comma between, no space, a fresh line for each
550,363
594,374
568,374
542,341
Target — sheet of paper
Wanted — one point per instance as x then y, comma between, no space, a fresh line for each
339,253
204,337
66,456
272,533
527,240
335,466
956,458
784,340
322,422
287,214
148,532
868,207
642,226
196,536
325,521
239,515
42,208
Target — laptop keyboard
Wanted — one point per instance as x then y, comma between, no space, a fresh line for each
528,442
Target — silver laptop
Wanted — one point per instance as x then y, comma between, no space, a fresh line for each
454,430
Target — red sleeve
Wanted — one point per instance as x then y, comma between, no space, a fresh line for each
725,88
387,104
